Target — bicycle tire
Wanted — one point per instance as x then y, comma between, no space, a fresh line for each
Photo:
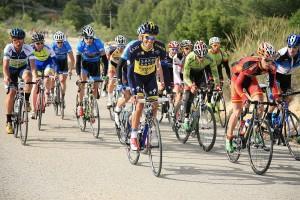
292,139
181,135
221,109
62,108
160,112
260,142
15,120
40,108
95,118
202,137
235,155
56,103
156,165
80,119
24,123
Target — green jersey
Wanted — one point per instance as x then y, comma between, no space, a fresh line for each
191,63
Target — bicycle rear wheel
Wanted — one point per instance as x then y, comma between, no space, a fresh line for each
260,146
292,135
206,128
180,133
16,117
94,118
62,107
23,123
237,142
56,103
155,148
221,109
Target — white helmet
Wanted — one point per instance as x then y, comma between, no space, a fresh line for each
59,36
200,49
266,50
214,40
120,40
88,31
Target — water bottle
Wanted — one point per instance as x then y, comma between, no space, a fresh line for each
276,120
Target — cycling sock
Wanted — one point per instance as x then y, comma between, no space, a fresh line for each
8,118
133,133
117,109
27,95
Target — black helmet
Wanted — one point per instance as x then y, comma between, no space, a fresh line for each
17,33
150,28
37,37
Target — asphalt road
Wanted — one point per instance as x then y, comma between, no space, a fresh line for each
61,162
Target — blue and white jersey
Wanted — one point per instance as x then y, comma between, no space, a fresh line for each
91,53
61,52
127,49
285,64
18,59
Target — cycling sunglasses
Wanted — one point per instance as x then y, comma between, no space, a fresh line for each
59,42
39,43
150,38
89,38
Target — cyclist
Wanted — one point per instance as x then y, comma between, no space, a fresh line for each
197,73
18,60
115,55
45,61
63,50
244,83
178,62
90,51
220,57
145,56
123,73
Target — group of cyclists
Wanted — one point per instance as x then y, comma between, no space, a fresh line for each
143,68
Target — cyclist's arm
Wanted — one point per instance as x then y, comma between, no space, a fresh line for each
121,65
177,66
160,71
273,84
227,69
6,69
33,68
220,72
186,73
105,64
238,84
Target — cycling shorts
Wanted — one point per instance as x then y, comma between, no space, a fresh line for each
145,85
91,69
284,81
16,73
62,66
250,84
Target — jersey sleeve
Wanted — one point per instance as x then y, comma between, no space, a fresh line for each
187,70
68,46
6,53
79,48
100,47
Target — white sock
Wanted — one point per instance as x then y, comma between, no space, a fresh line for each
133,134
117,109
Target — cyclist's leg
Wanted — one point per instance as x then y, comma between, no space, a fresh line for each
151,90
178,89
49,82
256,94
62,70
26,75
9,102
111,84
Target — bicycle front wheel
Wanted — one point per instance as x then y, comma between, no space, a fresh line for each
16,117
221,109
206,128
40,108
181,134
155,148
260,146
23,123
94,118
80,119
160,112
292,135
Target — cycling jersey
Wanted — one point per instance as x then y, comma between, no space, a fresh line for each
221,59
178,62
115,57
244,76
61,52
191,63
18,60
44,58
286,64
91,53
143,63
167,65
126,50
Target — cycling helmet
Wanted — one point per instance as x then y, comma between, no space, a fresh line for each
186,43
59,36
37,37
149,28
140,30
88,31
266,50
173,45
293,40
17,33
200,49
121,40
214,40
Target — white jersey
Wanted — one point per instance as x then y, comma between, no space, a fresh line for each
18,60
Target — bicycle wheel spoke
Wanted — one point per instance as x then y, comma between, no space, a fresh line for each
293,136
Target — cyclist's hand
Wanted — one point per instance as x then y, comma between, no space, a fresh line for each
221,83
105,78
218,87
193,88
119,87
161,86
7,80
